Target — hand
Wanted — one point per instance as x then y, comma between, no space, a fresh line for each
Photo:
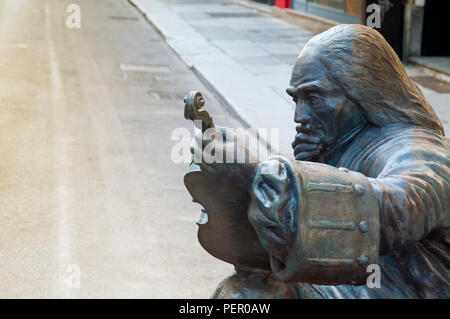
307,147
271,210
220,153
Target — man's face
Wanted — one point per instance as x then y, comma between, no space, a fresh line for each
323,112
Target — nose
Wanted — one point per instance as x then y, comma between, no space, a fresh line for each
302,115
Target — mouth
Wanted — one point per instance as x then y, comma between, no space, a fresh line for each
308,143
300,147
307,135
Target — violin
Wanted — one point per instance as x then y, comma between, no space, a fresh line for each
224,229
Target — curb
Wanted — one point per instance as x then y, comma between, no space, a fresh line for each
304,20
231,84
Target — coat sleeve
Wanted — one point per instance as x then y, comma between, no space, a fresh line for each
412,189
342,220
318,223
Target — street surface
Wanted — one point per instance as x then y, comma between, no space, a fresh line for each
86,175
88,187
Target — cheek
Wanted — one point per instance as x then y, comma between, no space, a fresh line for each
334,104
346,110
342,116
324,109
333,108
329,114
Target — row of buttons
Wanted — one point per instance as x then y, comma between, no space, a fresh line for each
363,226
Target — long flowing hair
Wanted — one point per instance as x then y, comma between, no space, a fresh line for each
371,74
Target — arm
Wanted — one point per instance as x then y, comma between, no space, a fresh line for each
319,224
413,192
406,202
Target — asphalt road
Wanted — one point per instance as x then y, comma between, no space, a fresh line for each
86,175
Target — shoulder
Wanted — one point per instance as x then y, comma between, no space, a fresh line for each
381,149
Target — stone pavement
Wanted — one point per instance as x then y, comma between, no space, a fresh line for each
246,56
239,52
88,180
441,63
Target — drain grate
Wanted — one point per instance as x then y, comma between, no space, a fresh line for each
432,83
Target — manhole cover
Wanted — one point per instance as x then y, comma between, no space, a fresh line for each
432,83
232,14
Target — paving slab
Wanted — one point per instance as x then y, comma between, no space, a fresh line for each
219,49
441,63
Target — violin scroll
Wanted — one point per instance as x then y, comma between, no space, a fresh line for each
193,104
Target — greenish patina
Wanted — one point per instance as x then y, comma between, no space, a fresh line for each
370,184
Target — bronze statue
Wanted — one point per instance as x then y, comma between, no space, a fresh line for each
369,185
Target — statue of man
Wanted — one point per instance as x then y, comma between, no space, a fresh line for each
369,184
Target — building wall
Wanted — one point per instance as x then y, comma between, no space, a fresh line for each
343,11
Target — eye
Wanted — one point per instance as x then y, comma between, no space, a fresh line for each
314,97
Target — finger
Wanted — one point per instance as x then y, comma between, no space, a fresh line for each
302,137
269,192
257,193
196,152
305,156
278,180
200,138
305,147
275,238
262,193
201,158
194,145
210,135
257,216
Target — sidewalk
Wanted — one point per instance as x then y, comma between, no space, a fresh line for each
246,56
